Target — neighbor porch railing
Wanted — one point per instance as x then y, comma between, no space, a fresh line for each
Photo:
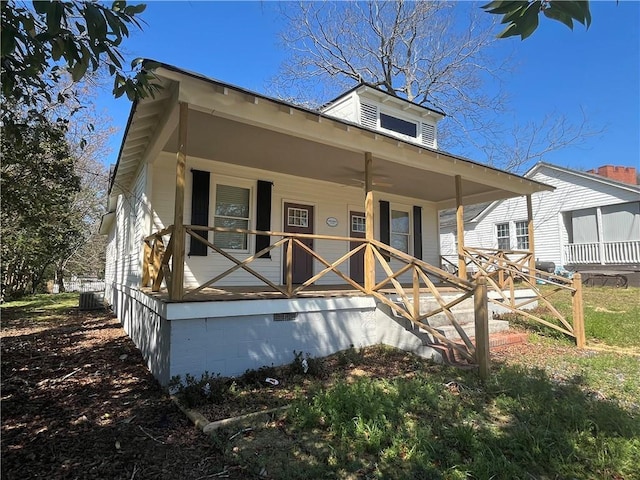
602,253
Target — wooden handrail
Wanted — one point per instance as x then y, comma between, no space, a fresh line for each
493,263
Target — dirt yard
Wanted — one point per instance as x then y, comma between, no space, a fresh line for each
78,402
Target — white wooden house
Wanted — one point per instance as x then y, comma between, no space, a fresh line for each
294,206
588,222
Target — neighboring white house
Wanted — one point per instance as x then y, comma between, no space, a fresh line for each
258,163
588,221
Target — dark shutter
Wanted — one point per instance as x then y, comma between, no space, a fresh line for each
199,210
417,232
385,234
263,215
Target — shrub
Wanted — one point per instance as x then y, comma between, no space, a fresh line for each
193,392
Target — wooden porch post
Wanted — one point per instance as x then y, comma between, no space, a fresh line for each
369,260
578,311
482,327
177,265
462,264
532,249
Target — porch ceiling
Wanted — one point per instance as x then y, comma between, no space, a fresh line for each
216,138
229,124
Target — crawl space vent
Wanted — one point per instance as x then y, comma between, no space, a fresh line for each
285,317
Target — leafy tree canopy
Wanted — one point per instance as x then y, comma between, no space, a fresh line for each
522,16
38,185
43,41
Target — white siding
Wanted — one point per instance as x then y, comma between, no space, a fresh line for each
572,192
345,109
328,200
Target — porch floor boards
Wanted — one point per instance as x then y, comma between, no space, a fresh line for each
223,294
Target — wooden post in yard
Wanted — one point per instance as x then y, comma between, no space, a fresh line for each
482,327
462,264
177,260
369,260
578,311
532,248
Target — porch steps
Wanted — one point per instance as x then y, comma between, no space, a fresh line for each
463,312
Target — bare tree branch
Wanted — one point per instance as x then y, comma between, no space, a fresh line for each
435,54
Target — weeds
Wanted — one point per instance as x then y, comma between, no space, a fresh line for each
193,392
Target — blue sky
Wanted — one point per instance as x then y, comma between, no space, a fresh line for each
558,70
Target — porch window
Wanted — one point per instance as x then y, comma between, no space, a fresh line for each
522,235
232,211
502,235
400,231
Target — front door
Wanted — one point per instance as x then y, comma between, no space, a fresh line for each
356,262
298,218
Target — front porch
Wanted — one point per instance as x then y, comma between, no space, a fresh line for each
403,302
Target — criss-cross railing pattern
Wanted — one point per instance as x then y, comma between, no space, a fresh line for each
504,270
419,275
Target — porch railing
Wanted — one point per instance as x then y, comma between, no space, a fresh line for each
494,270
605,253
394,264
504,270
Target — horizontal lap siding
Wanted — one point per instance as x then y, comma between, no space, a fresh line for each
573,192
328,200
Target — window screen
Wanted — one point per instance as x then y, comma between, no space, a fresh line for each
232,211
400,230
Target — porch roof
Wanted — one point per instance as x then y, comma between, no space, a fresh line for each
230,124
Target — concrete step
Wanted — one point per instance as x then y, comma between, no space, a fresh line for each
463,312
450,332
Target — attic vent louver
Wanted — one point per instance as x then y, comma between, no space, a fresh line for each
428,135
368,115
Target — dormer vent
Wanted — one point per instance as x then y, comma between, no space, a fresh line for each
368,115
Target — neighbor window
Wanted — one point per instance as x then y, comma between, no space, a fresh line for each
398,125
522,235
232,211
502,234
400,230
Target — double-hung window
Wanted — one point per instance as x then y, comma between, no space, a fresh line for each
522,235
502,235
400,230
232,210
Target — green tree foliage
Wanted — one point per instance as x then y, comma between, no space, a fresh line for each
41,43
522,16
38,185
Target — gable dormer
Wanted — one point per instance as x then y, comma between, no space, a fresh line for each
375,109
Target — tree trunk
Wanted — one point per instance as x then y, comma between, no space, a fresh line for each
60,278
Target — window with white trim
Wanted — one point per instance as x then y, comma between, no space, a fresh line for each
502,235
297,217
400,230
385,120
358,224
232,210
522,235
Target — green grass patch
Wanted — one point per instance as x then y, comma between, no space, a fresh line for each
447,425
40,306
611,315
